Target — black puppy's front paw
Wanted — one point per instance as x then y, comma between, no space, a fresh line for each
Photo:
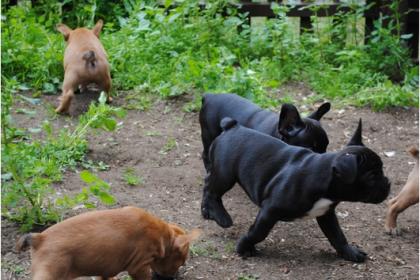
352,253
211,210
245,249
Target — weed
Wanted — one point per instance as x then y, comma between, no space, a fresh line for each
172,50
130,177
30,167
169,146
204,249
153,133
230,247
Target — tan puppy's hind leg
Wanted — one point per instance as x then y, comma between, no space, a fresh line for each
65,102
69,86
107,89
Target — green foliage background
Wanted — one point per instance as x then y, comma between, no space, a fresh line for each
175,49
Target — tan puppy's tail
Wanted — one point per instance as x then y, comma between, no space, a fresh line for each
90,58
414,152
28,240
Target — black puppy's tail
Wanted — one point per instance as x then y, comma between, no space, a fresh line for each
227,123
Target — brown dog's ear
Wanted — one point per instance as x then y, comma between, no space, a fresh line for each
289,121
98,27
65,30
322,110
181,241
345,168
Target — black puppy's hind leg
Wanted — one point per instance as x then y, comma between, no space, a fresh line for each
212,205
257,233
330,227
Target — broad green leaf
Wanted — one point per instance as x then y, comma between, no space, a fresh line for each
110,124
106,198
88,177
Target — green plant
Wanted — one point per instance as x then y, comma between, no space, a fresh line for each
175,48
230,247
131,178
247,277
205,249
30,167
169,146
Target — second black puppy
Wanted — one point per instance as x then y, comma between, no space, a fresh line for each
288,126
289,183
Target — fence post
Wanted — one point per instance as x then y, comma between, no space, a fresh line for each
410,24
370,16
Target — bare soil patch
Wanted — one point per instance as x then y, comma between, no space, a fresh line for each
173,181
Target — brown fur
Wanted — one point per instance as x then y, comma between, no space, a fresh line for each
85,62
409,195
104,243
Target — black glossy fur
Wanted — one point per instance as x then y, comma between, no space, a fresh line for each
288,126
285,182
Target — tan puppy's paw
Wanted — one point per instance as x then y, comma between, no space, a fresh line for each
62,109
393,231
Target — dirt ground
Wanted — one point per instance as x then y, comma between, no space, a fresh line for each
173,181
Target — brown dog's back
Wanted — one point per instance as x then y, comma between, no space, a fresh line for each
104,243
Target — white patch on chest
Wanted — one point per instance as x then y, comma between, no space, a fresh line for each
320,208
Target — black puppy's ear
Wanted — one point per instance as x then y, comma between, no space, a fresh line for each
321,111
289,120
356,139
345,168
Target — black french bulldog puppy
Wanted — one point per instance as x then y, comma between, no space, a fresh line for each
289,126
289,183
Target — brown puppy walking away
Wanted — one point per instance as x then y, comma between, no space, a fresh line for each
85,62
408,196
105,243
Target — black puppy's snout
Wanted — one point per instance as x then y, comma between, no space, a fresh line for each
382,191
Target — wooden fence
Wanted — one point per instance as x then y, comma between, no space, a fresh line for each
409,11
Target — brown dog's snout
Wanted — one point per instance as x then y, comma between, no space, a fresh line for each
157,276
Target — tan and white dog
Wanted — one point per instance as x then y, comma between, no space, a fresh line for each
85,62
105,243
408,196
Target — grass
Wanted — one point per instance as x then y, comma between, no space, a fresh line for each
130,177
162,52
31,166
204,249
230,247
169,146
